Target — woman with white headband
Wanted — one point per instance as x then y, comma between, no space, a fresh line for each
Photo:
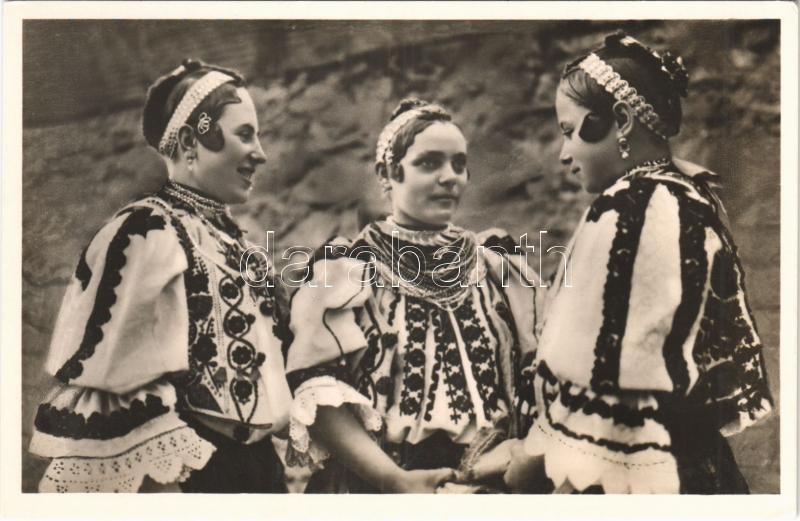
167,345
650,355
409,339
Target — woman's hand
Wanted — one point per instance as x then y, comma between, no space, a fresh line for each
419,481
495,461
525,474
346,439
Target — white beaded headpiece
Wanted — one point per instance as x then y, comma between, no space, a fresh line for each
612,82
383,151
193,97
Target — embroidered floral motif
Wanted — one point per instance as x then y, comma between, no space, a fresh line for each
242,355
203,350
140,221
448,361
414,366
481,355
202,336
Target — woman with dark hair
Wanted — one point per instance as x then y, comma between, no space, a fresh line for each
408,339
167,346
649,355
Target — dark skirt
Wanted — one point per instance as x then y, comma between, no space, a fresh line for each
705,460
235,467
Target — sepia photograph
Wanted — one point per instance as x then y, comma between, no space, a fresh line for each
503,255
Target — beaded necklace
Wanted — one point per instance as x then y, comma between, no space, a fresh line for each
213,213
647,167
443,266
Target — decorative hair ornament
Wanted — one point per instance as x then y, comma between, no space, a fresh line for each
613,83
383,150
193,97
673,67
203,123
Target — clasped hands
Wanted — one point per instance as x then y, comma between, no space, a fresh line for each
521,473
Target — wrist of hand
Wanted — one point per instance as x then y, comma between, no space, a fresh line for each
393,480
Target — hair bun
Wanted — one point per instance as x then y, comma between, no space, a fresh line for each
191,64
406,105
154,121
678,74
614,39
672,66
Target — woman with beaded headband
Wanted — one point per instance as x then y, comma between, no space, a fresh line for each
408,338
170,367
650,355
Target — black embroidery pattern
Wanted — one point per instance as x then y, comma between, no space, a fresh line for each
414,368
82,272
727,350
379,346
631,205
242,355
503,245
481,355
448,361
140,221
577,399
551,394
694,266
393,309
336,369
64,423
202,336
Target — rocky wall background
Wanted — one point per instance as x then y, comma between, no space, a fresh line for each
324,91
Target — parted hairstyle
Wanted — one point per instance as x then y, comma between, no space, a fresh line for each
405,137
166,92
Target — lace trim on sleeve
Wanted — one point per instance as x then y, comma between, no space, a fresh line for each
166,458
575,464
326,391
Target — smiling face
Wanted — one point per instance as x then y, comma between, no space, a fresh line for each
597,163
227,174
434,177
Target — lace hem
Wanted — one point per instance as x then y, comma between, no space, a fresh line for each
579,464
747,418
167,458
326,391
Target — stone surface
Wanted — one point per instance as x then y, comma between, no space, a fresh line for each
324,92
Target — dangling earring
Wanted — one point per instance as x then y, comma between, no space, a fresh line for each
386,186
190,163
623,145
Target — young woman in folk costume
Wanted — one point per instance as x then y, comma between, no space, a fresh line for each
651,355
169,361
408,339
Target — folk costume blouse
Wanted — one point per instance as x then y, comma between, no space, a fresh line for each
648,349
408,356
158,323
